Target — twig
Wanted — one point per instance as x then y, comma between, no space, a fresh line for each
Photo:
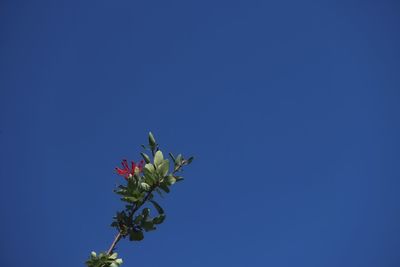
119,235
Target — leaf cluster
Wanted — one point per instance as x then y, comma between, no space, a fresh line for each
103,260
157,176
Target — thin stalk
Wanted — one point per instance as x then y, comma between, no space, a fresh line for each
119,236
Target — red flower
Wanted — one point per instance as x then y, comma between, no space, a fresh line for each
129,172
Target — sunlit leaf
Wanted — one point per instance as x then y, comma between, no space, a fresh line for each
158,158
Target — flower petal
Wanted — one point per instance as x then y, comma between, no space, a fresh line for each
121,172
125,164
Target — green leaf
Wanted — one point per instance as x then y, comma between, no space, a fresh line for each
149,179
136,235
190,160
178,178
149,167
152,141
113,264
163,168
178,159
130,199
158,158
164,187
149,172
145,157
118,261
178,162
170,179
159,219
113,256
132,186
145,186
138,219
146,212
157,207
148,225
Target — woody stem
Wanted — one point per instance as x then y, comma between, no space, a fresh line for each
119,235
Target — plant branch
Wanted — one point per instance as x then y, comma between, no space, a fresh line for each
114,243
119,235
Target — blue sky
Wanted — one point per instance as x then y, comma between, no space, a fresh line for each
290,107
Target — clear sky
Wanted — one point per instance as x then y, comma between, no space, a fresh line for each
290,107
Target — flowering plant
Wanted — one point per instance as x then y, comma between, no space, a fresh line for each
144,180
